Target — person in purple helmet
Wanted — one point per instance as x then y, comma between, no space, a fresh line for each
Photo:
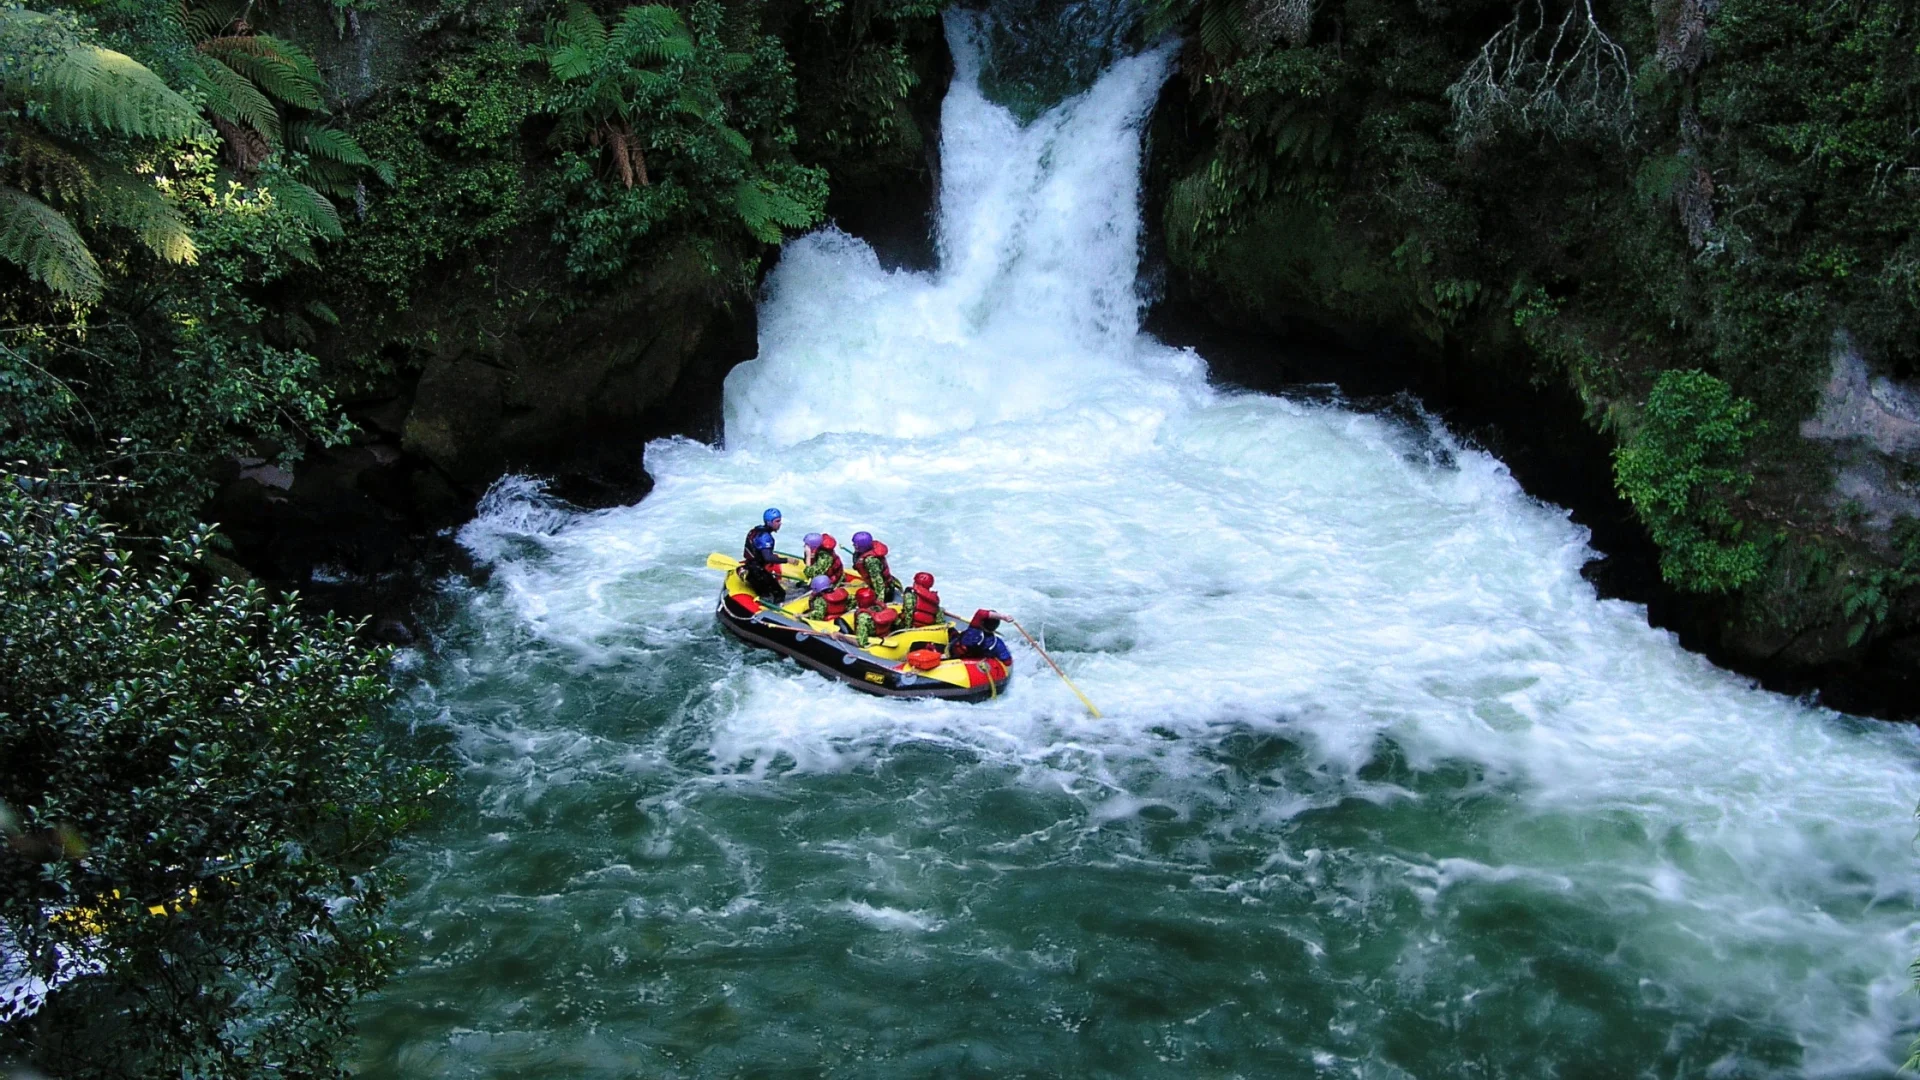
870,558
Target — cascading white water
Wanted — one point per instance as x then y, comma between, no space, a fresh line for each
1496,800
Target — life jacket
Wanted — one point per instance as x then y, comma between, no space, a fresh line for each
883,581
838,603
831,566
926,606
752,554
866,623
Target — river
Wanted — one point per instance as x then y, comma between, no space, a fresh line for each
1381,788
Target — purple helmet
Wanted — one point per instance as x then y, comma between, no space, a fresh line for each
821,583
813,540
862,541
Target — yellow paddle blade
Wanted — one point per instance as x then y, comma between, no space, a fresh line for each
717,561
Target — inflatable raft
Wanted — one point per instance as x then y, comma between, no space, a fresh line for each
831,649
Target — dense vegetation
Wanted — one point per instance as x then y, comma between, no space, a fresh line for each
204,251
196,800
1671,208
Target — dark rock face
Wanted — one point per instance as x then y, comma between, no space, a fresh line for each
570,395
555,390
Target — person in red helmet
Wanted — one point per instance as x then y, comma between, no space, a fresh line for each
979,640
920,605
867,613
826,561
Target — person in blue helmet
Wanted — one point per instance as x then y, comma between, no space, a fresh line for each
979,640
759,563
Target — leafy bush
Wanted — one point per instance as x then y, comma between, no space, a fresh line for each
1680,467
199,799
672,124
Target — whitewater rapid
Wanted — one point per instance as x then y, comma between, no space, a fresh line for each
1482,770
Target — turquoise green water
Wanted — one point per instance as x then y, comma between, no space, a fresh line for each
1382,789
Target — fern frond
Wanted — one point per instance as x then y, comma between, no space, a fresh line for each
277,75
651,34
765,210
1220,22
84,85
132,202
321,141
329,177
209,18
234,98
569,62
579,27
41,241
45,165
299,59
734,140
313,209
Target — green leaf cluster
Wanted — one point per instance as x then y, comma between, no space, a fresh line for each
672,125
1680,468
199,800
78,125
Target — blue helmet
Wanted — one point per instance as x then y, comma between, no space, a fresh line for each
813,540
772,515
821,583
862,541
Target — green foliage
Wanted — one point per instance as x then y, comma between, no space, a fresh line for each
672,125
166,382
200,801
68,82
855,76
75,119
267,98
1870,597
462,178
1680,467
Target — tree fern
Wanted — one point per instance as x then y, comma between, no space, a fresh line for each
330,143
765,210
280,70
301,200
76,84
41,241
234,98
132,202
651,34
576,42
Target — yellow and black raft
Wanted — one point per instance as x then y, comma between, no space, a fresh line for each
910,663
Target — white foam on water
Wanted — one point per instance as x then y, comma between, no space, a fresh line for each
1200,559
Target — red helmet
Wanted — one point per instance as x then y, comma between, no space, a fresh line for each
864,598
923,579
826,541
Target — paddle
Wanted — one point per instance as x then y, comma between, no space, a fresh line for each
1054,666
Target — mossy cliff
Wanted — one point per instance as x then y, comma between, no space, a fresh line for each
1689,223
